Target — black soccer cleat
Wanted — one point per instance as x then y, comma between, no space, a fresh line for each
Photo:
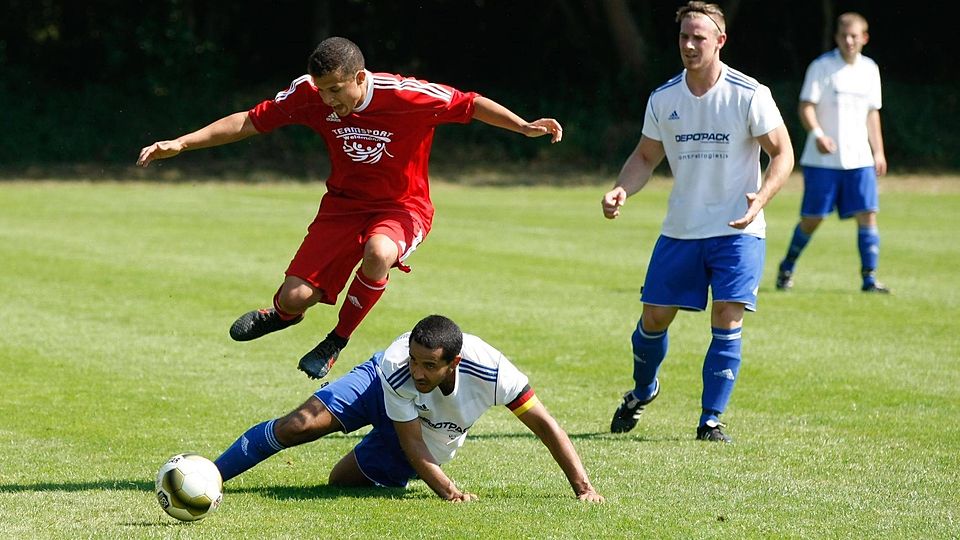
875,287
711,432
258,323
628,413
317,363
784,280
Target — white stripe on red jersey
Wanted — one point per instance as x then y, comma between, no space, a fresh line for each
413,85
293,87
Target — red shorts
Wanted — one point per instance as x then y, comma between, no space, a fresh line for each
334,245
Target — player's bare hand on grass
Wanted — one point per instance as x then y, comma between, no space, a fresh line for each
612,201
591,496
544,126
159,150
463,497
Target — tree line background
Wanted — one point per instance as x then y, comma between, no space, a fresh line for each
92,82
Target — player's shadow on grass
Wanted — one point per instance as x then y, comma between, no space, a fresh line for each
323,491
599,435
104,485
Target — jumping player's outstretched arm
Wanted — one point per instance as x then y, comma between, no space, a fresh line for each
228,129
545,427
411,440
490,112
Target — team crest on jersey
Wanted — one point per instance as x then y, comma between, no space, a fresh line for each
364,145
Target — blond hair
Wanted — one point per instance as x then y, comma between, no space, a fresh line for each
696,8
851,17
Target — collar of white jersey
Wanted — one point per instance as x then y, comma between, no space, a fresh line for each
839,57
369,96
724,69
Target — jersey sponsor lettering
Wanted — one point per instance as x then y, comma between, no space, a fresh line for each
703,155
453,430
721,138
364,145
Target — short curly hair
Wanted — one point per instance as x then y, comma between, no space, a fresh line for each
335,55
439,332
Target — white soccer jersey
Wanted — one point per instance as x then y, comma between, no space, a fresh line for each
710,143
484,378
843,94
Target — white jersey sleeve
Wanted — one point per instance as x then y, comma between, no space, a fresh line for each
764,116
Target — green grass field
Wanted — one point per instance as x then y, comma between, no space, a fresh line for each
114,355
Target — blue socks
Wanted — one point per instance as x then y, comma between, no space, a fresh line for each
797,243
720,369
868,242
254,446
649,350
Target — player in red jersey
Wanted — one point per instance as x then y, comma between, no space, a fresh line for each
378,128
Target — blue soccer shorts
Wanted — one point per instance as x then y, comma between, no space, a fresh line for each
356,400
681,271
850,192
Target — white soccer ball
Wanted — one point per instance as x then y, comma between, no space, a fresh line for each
189,487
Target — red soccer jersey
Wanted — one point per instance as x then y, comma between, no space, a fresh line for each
379,154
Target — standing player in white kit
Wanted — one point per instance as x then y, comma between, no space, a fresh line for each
710,122
840,108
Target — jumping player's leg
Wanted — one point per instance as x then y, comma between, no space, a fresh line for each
290,301
295,296
380,253
317,273
388,241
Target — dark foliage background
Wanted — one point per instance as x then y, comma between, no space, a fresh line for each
92,82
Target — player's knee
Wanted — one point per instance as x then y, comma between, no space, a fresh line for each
867,219
810,224
727,314
654,320
380,249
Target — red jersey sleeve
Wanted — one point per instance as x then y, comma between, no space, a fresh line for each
290,106
435,103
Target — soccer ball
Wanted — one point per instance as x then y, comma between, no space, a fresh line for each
189,487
